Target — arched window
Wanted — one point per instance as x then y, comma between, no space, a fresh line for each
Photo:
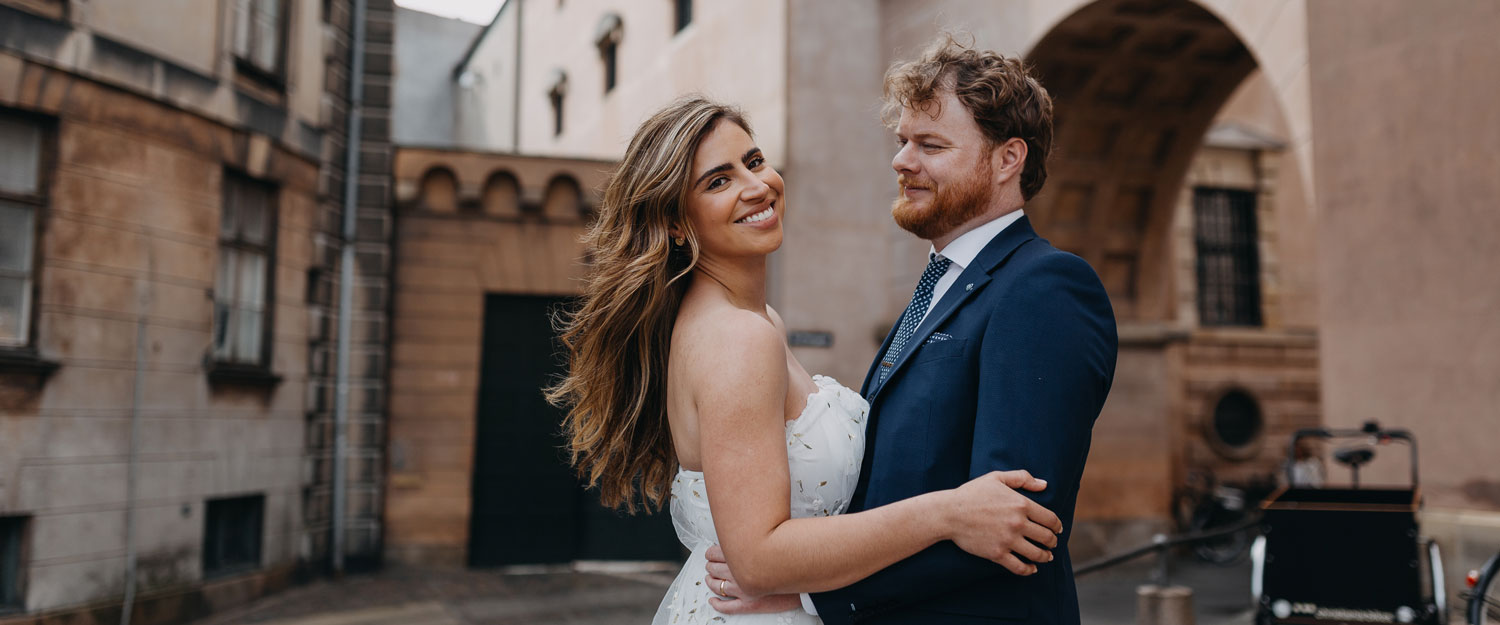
501,195
439,191
564,198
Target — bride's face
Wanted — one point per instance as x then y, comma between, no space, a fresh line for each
735,201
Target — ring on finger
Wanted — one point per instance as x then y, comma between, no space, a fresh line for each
722,592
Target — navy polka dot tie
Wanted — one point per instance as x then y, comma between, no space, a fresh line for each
915,311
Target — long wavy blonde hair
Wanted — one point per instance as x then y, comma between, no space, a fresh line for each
617,339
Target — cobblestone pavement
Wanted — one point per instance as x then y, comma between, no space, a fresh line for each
413,596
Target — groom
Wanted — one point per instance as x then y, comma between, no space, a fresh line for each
1003,358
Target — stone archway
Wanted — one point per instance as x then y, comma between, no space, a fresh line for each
1136,85
1273,31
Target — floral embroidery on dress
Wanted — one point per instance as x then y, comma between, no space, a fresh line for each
825,446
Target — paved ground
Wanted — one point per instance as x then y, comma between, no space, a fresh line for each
1221,595
408,596
412,596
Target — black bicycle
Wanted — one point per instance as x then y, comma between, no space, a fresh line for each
1484,594
1204,505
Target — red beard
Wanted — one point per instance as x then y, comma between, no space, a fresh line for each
951,206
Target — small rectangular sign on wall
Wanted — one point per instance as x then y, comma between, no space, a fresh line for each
809,338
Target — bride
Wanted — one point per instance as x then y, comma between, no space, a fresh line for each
681,391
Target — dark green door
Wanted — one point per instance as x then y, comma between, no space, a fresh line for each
528,508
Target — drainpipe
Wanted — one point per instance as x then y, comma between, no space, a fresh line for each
143,303
515,111
346,281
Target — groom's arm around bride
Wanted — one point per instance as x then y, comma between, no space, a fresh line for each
1028,396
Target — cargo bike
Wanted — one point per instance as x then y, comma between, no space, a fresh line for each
1347,555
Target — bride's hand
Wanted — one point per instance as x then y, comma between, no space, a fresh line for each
730,599
990,519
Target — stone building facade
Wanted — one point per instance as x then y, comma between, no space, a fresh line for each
1186,172
170,225
472,227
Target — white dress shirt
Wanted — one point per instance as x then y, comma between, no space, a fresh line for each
961,252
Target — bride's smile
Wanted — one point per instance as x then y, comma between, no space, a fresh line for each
735,204
760,217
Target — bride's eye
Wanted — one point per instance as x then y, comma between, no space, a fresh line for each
717,182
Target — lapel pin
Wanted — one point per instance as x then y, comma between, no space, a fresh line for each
969,286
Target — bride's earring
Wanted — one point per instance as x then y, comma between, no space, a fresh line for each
680,241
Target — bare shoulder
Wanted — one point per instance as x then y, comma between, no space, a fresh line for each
726,347
775,319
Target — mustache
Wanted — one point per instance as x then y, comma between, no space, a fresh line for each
908,183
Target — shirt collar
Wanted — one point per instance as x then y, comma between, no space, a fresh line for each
969,244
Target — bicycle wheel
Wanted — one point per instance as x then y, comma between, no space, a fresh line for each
1224,550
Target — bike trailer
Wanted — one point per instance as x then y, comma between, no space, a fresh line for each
1346,556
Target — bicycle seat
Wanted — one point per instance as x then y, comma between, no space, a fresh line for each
1354,456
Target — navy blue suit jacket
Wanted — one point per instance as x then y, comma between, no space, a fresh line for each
1008,371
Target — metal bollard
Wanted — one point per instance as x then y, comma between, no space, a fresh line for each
1162,574
1163,605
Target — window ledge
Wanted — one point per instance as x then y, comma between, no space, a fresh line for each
26,362
235,374
273,80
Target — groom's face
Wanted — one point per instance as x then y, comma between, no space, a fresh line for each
943,167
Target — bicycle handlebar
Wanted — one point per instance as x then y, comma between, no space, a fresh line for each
1370,429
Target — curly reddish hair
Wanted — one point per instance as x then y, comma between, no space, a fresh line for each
998,91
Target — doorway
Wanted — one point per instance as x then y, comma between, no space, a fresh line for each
528,506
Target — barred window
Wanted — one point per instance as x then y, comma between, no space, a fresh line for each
21,201
260,35
242,290
232,535
1228,260
12,532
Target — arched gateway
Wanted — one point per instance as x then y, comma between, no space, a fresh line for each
1181,214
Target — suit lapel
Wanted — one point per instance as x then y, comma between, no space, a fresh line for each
867,389
971,281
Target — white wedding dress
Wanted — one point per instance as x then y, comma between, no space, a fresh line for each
824,448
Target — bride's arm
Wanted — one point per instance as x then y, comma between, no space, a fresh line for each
739,382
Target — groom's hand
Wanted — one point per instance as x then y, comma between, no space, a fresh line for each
993,520
729,599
